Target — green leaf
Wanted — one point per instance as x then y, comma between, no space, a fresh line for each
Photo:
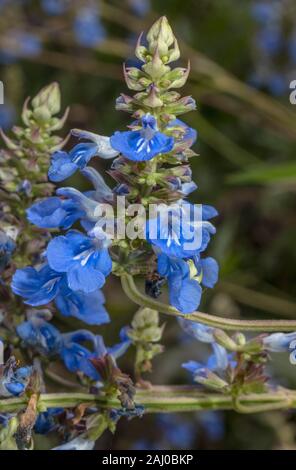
265,174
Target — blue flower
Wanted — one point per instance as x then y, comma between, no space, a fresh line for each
279,342
54,7
88,29
220,359
143,144
22,44
270,40
7,247
184,292
207,271
65,164
13,380
54,212
85,263
88,308
77,357
36,286
213,365
189,135
181,230
140,7
40,334
46,422
263,12
198,331
41,286
277,84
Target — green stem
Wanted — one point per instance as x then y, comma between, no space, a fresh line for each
159,399
143,300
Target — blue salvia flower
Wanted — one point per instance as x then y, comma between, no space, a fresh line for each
54,212
263,12
77,358
274,39
215,364
204,334
140,7
188,134
84,260
13,379
65,164
198,331
184,292
62,212
46,422
182,236
40,334
184,287
279,342
88,28
54,7
269,40
143,144
7,247
41,286
21,44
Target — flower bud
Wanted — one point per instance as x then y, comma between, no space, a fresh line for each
156,68
153,100
141,52
175,78
174,53
160,36
145,326
209,379
184,105
132,77
49,97
224,340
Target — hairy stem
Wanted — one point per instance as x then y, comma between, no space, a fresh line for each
143,300
164,399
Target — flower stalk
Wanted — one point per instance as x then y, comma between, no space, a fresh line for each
230,324
159,399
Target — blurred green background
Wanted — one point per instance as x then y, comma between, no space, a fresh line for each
243,58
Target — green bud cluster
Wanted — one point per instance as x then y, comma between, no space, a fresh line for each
145,333
155,80
24,166
28,151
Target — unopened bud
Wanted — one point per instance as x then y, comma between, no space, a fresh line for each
49,97
224,340
160,36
